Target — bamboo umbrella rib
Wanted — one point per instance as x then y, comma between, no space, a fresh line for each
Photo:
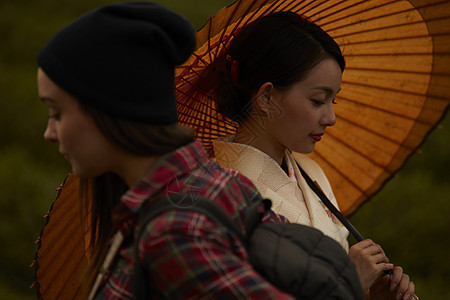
342,175
360,170
351,9
184,70
402,32
386,80
198,90
380,109
294,7
374,38
63,237
61,275
368,130
352,22
191,108
353,81
373,147
370,147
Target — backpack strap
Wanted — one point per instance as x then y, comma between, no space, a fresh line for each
252,215
201,205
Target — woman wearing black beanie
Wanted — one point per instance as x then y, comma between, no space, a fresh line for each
108,82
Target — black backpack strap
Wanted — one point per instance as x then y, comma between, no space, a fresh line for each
252,216
330,206
200,205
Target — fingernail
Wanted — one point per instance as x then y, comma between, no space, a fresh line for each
399,296
407,296
393,287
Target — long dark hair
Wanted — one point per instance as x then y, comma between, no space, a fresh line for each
280,48
102,194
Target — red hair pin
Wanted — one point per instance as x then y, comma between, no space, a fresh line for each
234,69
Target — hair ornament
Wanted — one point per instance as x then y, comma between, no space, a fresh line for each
234,69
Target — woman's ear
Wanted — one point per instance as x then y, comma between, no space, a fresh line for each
262,99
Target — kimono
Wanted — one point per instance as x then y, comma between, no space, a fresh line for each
290,194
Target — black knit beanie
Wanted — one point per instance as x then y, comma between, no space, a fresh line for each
120,59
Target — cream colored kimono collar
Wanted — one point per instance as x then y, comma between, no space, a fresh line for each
291,198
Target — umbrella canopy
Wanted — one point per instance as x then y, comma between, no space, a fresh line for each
395,89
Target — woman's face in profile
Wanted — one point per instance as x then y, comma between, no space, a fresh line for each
306,108
80,141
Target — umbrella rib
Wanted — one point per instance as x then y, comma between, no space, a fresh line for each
67,258
368,19
385,111
219,127
209,43
191,67
221,130
361,154
379,17
221,41
192,117
387,70
389,27
334,11
353,14
192,85
216,54
371,131
427,5
196,99
268,10
287,8
399,54
396,90
387,53
342,174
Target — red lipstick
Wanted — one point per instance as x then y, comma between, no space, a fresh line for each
317,137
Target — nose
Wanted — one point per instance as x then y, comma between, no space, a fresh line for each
328,118
50,132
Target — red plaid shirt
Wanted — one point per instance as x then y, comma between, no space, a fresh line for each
187,255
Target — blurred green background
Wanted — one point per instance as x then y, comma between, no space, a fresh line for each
409,217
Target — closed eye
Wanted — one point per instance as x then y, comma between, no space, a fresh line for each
317,102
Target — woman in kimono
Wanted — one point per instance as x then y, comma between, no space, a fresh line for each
281,78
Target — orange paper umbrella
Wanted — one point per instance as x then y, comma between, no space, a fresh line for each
395,89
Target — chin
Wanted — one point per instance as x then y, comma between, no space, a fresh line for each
303,149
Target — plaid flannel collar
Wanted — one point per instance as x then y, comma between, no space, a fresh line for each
164,172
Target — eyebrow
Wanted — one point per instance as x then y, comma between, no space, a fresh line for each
326,89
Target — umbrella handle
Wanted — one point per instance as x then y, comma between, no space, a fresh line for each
341,218
316,188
